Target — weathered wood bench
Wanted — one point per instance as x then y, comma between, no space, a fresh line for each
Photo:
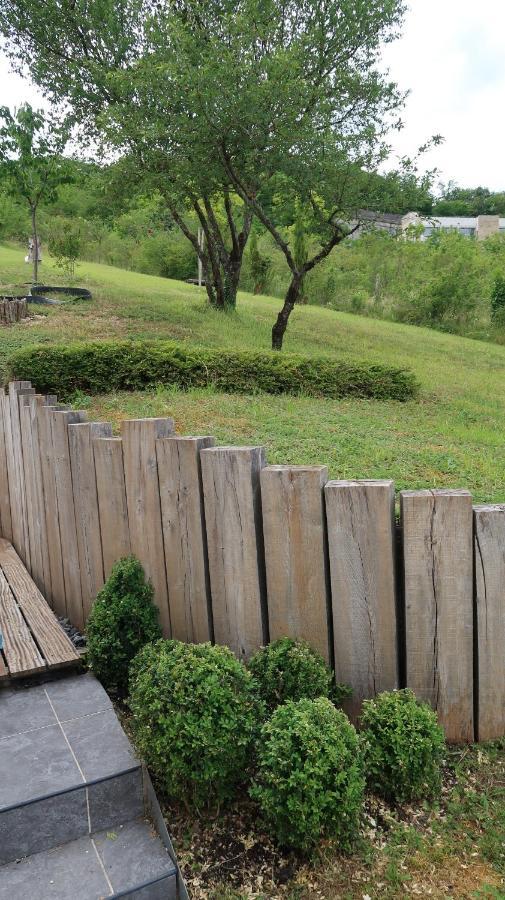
32,639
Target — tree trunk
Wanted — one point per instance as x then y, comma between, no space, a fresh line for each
279,329
231,278
35,239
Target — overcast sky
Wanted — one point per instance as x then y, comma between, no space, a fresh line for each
452,58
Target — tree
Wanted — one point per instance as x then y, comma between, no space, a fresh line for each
220,100
31,162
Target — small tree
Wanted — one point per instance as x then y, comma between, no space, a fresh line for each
31,161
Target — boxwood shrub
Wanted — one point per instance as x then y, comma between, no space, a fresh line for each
195,719
122,619
289,669
100,367
309,783
403,746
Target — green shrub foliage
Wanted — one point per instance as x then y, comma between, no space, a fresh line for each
122,620
290,669
100,367
195,716
403,746
310,780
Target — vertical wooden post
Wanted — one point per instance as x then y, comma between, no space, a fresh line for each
5,500
231,486
438,590
15,470
143,498
60,420
361,541
183,517
489,527
55,587
89,543
111,497
296,561
35,504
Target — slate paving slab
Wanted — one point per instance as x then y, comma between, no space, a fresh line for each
72,823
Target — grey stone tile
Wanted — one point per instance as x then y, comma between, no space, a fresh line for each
35,764
23,709
78,695
70,872
116,800
100,745
42,825
133,854
166,889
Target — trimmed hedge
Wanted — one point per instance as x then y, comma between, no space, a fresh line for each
309,784
100,367
195,717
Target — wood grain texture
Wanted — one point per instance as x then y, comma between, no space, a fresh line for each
54,588
361,541
60,420
111,496
15,470
296,561
87,518
489,531
438,590
54,645
144,509
231,486
5,500
33,486
183,517
21,653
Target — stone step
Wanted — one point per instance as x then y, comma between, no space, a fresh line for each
128,861
67,768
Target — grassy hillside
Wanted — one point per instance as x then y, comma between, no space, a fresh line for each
454,435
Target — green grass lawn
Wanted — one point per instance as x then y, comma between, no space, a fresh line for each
453,435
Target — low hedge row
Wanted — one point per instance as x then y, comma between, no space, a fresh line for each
100,367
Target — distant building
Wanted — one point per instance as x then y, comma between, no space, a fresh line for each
480,227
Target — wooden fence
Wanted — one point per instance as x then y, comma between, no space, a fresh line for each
241,552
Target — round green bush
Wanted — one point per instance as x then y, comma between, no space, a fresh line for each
122,619
310,782
290,669
195,714
403,746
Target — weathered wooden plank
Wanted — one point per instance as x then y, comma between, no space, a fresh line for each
54,645
39,534
183,518
5,500
438,591
33,485
295,554
54,587
15,470
89,542
361,542
20,650
231,486
4,672
112,504
489,530
143,499
60,420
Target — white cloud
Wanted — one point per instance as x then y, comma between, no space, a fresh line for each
15,90
451,58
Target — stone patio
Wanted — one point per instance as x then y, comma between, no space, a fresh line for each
72,800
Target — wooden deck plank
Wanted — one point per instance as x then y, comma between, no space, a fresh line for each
56,648
21,653
4,672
